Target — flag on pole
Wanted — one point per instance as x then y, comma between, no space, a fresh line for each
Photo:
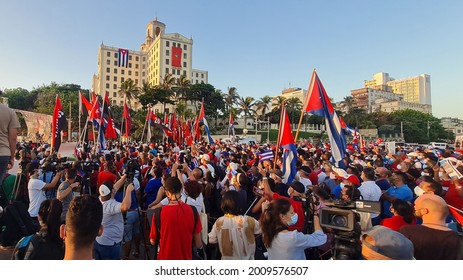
318,103
123,58
110,129
231,126
127,120
59,122
202,118
84,105
286,142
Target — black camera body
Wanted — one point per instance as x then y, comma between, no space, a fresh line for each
132,166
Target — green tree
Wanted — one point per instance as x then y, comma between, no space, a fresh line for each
277,104
129,90
417,126
294,107
20,99
182,88
230,97
263,106
246,105
349,100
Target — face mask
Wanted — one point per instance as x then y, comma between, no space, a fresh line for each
342,185
440,174
293,221
424,174
399,166
418,191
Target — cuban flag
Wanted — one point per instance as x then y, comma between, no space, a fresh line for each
265,155
318,103
286,141
231,126
202,118
123,58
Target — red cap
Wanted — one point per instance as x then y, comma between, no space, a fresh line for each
353,179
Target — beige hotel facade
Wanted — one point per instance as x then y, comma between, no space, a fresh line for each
160,54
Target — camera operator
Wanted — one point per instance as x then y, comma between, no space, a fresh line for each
280,241
48,171
37,190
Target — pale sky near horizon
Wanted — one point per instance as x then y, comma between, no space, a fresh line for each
259,47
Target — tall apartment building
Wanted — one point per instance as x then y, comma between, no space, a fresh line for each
294,92
414,89
159,54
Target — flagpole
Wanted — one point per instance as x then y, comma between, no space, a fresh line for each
143,132
279,135
306,101
122,122
80,109
101,117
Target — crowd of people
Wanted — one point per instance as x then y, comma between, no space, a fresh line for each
224,201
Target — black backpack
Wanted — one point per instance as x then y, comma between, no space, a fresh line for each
40,250
15,223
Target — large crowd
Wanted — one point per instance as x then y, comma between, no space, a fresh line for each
228,201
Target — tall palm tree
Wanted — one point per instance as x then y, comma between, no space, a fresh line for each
263,105
230,97
181,88
349,100
294,107
129,90
246,105
168,82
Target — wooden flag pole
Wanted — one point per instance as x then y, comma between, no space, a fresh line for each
143,132
279,135
306,101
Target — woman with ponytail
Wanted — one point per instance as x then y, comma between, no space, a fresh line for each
47,243
281,243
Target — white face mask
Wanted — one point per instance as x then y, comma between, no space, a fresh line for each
440,174
399,166
418,191
424,174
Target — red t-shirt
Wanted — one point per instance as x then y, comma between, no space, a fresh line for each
452,197
313,176
106,176
396,222
177,224
297,209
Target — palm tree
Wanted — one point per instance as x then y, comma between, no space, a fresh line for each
129,90
168,81
263,105
294,106
349,100
182,86
230,97
246,105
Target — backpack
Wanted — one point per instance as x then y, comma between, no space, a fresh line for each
35,247
157,214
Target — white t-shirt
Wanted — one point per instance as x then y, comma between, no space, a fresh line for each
290,245
198,202
36,196
306,182
113,223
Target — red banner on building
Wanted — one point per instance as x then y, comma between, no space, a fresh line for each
176,57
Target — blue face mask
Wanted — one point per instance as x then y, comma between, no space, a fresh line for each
293,220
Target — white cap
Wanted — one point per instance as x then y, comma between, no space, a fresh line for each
104,190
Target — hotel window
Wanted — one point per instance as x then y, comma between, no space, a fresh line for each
122,80
114,94
167,61
115,71
167,52
136,81
184,55
107,85
130,57
184,64
108,54
196,75
174,44
107,70
130,72
143,74
184,73
115,55
144,59
178,71
115,79
122,71
136,65
137,58
202,76
107,78
115,63
184,47
108,61
130,65
114,86
173,71
167,43
167,70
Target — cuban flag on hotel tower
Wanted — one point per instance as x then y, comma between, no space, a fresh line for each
123,58
318,103
176,57
286,142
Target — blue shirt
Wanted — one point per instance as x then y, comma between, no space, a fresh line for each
151,189
402,192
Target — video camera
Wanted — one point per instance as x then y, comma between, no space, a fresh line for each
132,166
89,167
55,164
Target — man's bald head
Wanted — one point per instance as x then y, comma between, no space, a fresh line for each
197,173
383,172
435,205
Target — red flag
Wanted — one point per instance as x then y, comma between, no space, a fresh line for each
86,103
127,120
110,131
176,57
59,121
95,113
286,133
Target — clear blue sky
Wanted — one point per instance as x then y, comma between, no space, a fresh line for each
259,47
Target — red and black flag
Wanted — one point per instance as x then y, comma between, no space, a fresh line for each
127,120
59,122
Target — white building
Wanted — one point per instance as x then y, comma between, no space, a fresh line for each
160,54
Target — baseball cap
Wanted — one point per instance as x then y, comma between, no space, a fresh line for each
104,190
383,243
353,179
305,169
297,186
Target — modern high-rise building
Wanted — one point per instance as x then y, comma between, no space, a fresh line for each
414,89
159,55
